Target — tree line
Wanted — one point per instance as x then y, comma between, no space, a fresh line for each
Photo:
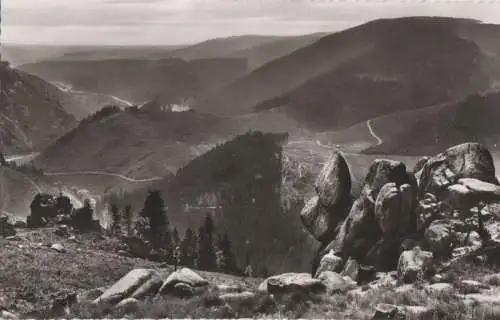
203,249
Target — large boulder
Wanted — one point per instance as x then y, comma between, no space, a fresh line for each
395,209
186,277
467,160
333,184
316,219
292,282
358,232
323,212
414,264
126,286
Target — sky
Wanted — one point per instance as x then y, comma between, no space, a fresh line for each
158,22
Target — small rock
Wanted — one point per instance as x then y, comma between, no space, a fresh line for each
90,295
124,253
72,239
471,286
414,264
8,315
58,247
335,283
126,286
180,289
417,312
483,299
237,296
128,303
184,275
329,262
439,288
385,311
20,224
351,269
227,288
291,282
62,231
14,238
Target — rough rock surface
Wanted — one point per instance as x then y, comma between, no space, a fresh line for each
328,208
126,286
333,184
291,282
467,160
414,264
383,171
358,232
394,209
329,262
443,235
336,283
184,276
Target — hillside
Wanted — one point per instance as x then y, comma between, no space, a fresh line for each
327,76
239,183
427,130
31,112
137,80
261,54
135,143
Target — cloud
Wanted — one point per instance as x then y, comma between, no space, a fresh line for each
174,21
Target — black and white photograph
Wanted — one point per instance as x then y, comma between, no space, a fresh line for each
256,159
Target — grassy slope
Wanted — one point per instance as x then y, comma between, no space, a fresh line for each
31,274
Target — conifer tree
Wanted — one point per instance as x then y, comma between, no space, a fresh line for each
115,220
206,251
188,249
153,224
127,216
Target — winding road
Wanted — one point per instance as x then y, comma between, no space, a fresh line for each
372,132
102,173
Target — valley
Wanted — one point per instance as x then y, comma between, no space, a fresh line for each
255,155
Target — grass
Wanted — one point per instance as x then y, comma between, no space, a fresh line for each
31,274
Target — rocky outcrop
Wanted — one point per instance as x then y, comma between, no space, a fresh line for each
324,211
383,171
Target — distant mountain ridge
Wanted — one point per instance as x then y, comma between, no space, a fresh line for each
139,80
373,69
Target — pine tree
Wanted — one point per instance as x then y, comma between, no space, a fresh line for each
228,257
206,251
188,249
175,238
83,216
153,224
127,216
115,220
63,205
